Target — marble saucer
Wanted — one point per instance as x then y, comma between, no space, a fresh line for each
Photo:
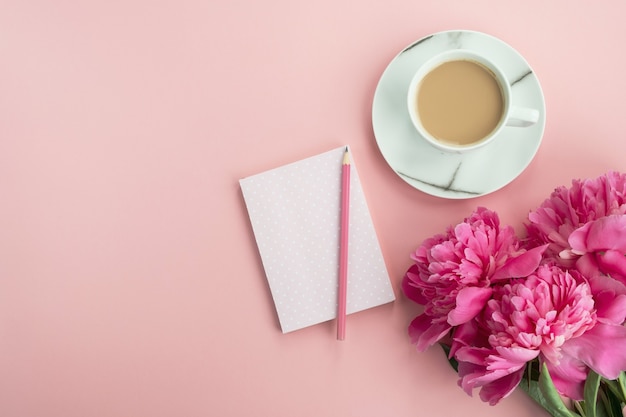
455,176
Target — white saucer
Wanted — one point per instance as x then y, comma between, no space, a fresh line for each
455,176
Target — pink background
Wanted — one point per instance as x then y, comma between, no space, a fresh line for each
130,283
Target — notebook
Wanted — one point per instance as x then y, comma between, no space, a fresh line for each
295,215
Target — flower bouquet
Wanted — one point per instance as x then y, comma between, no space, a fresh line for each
544,312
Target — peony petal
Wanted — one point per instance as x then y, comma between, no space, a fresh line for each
469,302
588,266
509,359
604,233
610,299
424,332
569,376
577,240
602,348
517,354
480,366
467,373
464,335
612,263
409,288
501,388
522,265
483,376
606,284
475,355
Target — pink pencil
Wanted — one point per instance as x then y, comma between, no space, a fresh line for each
343,244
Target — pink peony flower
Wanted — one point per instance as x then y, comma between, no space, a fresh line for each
453,274
569,323
567,209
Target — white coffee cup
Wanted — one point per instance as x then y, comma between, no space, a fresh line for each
454,105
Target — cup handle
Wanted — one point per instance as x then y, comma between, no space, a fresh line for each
522,117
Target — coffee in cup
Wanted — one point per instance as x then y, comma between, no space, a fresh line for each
459,101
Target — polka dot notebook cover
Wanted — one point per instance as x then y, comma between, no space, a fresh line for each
295,216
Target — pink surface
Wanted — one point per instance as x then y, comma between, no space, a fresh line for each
130,283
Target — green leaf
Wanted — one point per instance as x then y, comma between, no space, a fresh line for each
610,402
622,383
578,405
554,402
592,385
532,389
613,388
